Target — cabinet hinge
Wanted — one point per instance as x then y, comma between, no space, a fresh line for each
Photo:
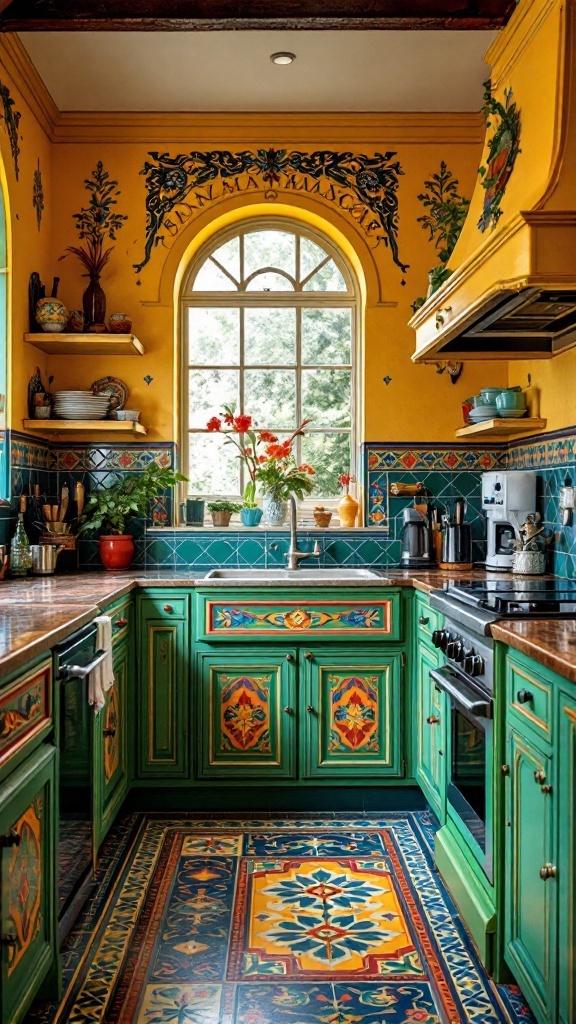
403,659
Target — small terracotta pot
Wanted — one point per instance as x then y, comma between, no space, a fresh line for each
322,518
221,518
117,551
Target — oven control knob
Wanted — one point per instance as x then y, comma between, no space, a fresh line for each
477,665
455,649
468,661
437,637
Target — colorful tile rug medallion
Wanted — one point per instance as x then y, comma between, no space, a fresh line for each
288,921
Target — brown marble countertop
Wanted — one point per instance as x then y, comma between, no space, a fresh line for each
552,642
38,612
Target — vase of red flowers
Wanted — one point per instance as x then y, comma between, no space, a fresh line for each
347,506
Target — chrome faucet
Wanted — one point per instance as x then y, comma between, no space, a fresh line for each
295,555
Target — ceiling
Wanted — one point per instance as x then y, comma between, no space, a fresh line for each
231,71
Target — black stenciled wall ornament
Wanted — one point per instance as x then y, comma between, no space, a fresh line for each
38,194
11,120
372,180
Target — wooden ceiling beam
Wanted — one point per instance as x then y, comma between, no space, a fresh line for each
234,15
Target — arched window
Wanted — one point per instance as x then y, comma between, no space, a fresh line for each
269,326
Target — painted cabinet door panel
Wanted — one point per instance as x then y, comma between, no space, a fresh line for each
110,748
351,713
567,861
530,918
247,713
163,683
431,726
27,882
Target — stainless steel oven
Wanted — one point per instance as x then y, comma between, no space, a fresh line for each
469,761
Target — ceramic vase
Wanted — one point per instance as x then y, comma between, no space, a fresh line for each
274,509
94,302
251,516
116,550
347,510
51,314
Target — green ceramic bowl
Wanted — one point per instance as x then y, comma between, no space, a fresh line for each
511,400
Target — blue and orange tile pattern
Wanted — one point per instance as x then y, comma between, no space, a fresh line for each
276,921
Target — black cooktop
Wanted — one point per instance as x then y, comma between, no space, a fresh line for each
518,596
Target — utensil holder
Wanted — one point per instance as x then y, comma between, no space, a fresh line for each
529,563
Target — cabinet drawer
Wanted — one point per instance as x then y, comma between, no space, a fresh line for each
237,617
121,615
165,606
427,620
529,696
25,712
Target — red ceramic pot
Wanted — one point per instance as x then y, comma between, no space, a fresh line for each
117,551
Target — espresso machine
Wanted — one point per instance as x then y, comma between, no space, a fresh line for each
507,498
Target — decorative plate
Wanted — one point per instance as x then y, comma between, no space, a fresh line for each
114,388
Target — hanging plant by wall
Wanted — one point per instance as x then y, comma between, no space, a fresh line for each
96,223
503,148
446,212
365,187
11,120
38,194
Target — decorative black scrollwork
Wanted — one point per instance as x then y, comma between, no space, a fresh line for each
11,118
373,181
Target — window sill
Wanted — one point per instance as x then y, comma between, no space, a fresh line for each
240,528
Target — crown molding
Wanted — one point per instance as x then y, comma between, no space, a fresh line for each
250,128
26,79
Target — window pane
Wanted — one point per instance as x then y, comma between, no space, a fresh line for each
211,279
270,336
229,256
329,454
208,392
212,468
270,397
310,256
269,282
326,397
328,279
213,337
326,335
269,249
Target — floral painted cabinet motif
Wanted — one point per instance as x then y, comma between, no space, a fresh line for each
247,712
350,712
27,882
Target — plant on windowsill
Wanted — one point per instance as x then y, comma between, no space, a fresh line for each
222,511
110,510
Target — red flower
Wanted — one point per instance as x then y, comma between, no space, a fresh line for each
214,424
228,418
262,458
242,423
247,451
305,468
268,437
279,451
344,479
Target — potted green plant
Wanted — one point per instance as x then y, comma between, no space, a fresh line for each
222,511
251,513
110,509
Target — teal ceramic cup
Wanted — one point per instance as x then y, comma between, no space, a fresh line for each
489,395
194,512
511,400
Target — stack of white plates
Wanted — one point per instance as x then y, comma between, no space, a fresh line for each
80,405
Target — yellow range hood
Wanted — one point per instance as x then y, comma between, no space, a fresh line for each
512,293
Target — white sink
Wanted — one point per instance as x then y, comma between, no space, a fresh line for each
292,577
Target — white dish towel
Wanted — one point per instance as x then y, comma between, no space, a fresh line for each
101,678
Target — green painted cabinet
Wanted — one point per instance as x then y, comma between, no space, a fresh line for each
350,712
431,721
530,885
110,768
28,943
162,696
247,700
567,858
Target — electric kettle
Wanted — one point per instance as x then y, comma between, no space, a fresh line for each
416,541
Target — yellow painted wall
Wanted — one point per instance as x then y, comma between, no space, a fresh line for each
552,393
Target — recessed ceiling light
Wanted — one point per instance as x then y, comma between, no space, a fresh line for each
282,58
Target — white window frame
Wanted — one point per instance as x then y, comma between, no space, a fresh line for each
243,298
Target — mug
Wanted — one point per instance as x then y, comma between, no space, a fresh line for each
194,512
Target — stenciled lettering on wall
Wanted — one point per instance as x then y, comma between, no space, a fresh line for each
179,187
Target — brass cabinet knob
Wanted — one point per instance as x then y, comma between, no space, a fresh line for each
289,657
310,709
289,711
505,769
539,776
547,871
309,656
432,719
12,838
168,608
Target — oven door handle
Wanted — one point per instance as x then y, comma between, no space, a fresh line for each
69,672
452,684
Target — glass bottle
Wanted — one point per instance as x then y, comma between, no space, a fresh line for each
20,554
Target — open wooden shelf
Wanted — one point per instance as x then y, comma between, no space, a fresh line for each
86,344
94,427
502,428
